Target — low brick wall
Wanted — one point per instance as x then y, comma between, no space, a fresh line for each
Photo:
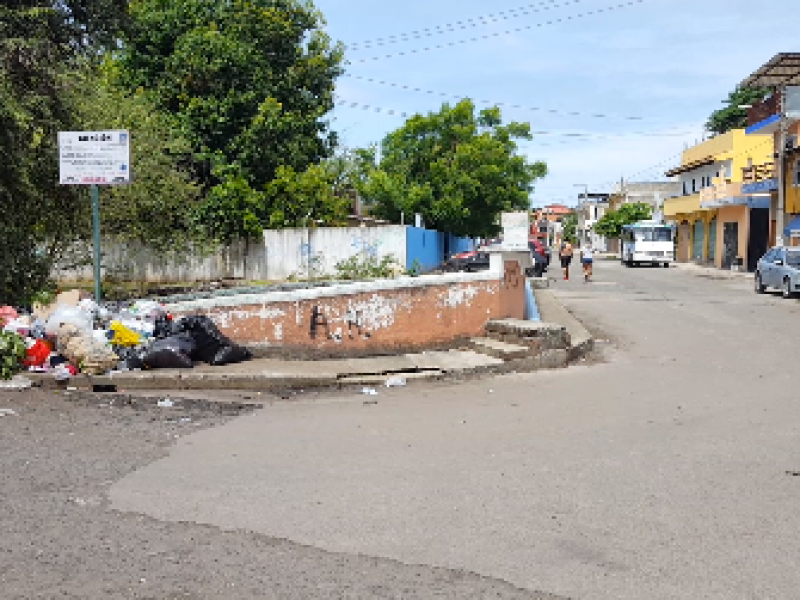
364,318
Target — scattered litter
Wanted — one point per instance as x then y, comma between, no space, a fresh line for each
72,389
63,372
165,403
18,382
7,412
185,420
7,314
369,402
369,391
396,382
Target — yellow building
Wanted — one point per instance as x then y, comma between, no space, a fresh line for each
717,222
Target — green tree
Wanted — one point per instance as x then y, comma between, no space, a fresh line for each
157,210
733,116
610,224
570,227
299,199
457,167
42,44
248,80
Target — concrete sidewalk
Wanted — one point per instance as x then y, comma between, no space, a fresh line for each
712,272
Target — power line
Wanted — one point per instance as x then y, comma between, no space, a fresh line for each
572,134
502,33
458,25
504,104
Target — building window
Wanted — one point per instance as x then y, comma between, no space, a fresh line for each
694,185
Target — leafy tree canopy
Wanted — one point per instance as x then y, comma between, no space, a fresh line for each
610,224
157,209
248,80
457,167
570,227
733,116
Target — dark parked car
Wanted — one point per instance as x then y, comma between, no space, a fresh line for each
779,268
468,261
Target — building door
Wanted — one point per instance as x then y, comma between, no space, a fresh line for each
712,240
730,244
697,240
758,237
683,242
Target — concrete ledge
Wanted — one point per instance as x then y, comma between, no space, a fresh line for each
581,341
499,349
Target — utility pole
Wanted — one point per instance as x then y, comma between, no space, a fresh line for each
780,210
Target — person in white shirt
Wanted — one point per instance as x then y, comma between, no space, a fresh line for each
587,260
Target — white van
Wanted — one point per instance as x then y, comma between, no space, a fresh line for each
648,242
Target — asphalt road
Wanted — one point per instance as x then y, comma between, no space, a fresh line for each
667,471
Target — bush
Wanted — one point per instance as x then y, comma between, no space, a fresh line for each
12,353
367,266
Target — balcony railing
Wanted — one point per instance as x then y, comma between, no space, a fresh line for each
764,109
715,193
756,173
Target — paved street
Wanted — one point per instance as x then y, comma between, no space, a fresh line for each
663,473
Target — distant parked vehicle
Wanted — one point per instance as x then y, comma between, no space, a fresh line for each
468,261
647,242
779,268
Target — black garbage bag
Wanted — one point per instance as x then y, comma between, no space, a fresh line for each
163,327
174,352
130,358
211,346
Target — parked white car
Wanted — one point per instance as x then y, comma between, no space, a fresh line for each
779,268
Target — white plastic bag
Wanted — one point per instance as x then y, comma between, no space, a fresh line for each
68,315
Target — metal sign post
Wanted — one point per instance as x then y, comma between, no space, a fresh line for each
96,242
94,158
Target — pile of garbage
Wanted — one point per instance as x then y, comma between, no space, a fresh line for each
75,335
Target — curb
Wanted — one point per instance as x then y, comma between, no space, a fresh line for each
552,311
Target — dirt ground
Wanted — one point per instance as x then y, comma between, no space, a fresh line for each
60,452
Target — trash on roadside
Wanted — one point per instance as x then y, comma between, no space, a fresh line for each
211,346
396,382
166,403
7,412
124,336
170,353
369,391
38,353
7,313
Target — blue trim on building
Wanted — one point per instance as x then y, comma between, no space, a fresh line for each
794,225
760,187
761,124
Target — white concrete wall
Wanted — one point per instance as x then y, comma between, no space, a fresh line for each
283,254
130,263
293,252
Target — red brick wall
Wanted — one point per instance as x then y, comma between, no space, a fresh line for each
378,321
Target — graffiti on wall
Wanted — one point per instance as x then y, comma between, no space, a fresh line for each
354,326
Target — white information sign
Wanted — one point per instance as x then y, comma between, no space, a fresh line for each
94,157
516,230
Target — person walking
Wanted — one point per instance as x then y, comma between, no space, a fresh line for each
565,253
587,260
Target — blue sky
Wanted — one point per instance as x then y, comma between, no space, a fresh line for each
655,69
